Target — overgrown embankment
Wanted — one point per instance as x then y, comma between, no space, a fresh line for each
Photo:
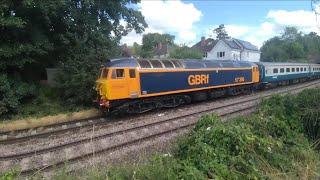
281,140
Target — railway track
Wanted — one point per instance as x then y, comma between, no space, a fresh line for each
41,159
9,137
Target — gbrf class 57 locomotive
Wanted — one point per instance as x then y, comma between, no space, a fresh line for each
130,85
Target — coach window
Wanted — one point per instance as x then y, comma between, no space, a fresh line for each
287,69
297,69
118,73
132,73
282,70
293,70
301,69
275,70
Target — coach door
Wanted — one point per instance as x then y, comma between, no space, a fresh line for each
133,86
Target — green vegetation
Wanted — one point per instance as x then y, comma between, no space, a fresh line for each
74,36
185,53
292,46
279,141
151,40
47,102
221,32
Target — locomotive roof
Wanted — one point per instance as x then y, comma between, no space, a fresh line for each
174,63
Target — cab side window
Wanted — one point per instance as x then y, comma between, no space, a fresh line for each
132,73
117,73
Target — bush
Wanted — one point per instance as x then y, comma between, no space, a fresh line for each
185,53
12,94
77,79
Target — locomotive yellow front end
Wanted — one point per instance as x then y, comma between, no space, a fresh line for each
102,88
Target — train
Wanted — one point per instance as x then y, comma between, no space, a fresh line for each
132,85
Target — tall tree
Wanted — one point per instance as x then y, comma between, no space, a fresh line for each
292,45
290,33
77,35
221,32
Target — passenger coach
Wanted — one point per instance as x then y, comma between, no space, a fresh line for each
287,73
134,85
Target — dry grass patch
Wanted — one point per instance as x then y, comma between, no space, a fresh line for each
29,123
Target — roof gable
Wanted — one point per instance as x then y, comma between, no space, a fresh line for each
206,45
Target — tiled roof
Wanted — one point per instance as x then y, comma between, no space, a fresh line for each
240,44
231,43
205,46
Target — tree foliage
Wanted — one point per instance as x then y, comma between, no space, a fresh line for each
150,41
221,32
185,53
292,45
76,35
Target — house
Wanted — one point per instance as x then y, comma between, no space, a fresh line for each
231,49
205,46
161,51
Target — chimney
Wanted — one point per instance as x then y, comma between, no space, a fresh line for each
203,41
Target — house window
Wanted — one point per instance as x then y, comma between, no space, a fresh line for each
220,54
275,70
205,54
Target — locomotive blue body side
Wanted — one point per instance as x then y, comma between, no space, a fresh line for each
160,82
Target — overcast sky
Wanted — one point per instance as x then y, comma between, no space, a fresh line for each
254,21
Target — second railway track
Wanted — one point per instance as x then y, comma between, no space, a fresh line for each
32,161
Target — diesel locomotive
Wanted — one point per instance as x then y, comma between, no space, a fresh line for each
130,85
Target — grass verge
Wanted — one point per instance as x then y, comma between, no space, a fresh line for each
47,108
